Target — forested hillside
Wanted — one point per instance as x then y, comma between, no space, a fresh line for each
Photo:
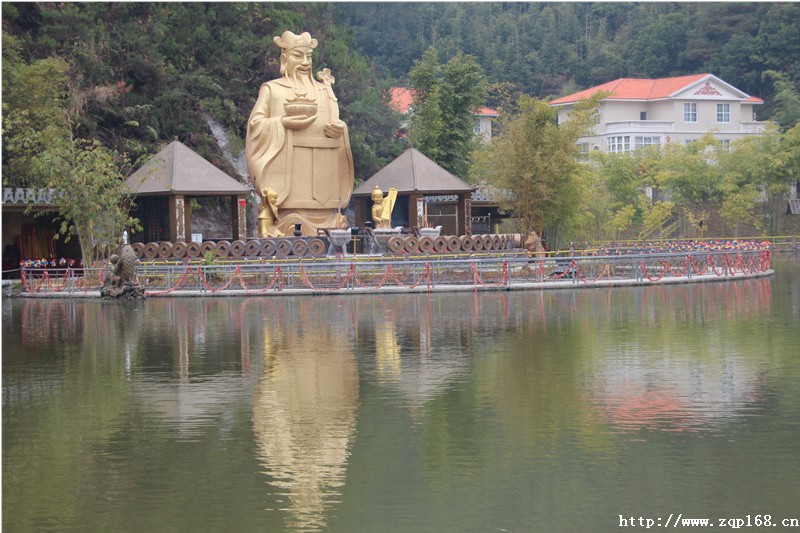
138,74
90,88
556,48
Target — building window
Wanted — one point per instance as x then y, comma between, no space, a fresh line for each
641,142
583,152
690,112
723,113
476,127
618,145
725,146
642,115
688,142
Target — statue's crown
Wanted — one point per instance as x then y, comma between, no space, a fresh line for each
289,40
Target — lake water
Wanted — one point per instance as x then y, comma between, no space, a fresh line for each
543,411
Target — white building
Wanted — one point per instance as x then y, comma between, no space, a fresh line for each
644,112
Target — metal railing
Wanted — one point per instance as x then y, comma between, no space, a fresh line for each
500,271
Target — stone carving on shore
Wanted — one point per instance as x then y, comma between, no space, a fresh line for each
534,245
120,282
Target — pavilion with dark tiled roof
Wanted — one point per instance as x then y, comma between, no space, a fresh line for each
418,180
164,186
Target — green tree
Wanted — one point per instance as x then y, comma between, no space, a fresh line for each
40,151
623,179
95,201
34,97
689,177
445,98
786,101
757,178
536,160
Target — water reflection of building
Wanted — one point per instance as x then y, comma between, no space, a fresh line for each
304,414
674,394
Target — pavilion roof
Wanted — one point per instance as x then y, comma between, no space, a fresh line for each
177,169
412,171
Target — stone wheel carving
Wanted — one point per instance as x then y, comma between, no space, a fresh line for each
299,247
165,250
477,243
425,245
208,247
270,248
412,245
316,247
193,250
151,250
223,248
395,244
253,248
238,248
495,242
439,245
138,248
466,243
283,247
453,243
179,250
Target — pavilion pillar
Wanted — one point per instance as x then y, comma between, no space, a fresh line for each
463,214
239,217
177,218
412,210
188,220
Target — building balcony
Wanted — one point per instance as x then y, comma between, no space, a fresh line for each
640,126
754,127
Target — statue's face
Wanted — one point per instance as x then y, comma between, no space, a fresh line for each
298,61
377,198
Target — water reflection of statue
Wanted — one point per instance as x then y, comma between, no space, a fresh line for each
382,208
296,143
304,417
268,217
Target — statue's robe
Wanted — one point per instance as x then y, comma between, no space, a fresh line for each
312,173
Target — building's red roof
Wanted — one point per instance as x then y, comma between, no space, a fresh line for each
403,99
486,111
640,89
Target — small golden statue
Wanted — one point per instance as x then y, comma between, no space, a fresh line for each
382,208
268,217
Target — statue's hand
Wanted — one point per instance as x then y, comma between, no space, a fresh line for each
297,122
335,129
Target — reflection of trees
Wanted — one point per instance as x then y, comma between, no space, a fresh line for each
89,392
305,406
63,391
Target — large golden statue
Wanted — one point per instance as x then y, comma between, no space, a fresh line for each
296,144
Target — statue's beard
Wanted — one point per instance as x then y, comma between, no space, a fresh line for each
296,74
